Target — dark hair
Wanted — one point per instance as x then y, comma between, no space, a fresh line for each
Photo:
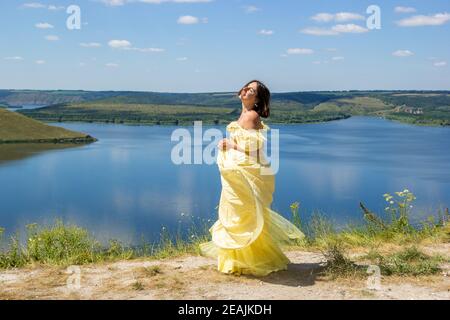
262,105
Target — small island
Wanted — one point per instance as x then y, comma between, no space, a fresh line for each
17,128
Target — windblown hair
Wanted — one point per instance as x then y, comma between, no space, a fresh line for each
262,105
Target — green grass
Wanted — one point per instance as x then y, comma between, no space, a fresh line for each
62,244
354,105
15,128
138,286
152,271
408,261
430,119
338,265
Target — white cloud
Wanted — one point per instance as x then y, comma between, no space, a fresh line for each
183,1
335,30
349,28
15,58
90,44
55,8
347,16
333,59
421,20
323,17
265,32
34,5
111,65
440,64
187,20
43,25
145,49
173,1
40,61
401,9
182,59
51,38
116,3
38,5
126,45
299,51
338,17
402,53
119,44
251,9
319,31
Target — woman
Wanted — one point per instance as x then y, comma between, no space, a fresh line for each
247,236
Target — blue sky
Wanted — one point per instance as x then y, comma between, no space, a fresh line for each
217,45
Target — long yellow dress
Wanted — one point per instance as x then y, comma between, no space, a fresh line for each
247,237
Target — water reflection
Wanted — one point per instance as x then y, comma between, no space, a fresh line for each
125,185
18,151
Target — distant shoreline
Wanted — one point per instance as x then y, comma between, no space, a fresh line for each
81,140
206,122
156,108
187,123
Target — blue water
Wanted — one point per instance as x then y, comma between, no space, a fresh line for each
26,107
125,185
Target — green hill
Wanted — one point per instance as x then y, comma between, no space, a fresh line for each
15,128
134,107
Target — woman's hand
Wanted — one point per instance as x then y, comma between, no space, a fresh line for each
226,144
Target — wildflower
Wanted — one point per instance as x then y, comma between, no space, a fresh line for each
182,214
391,202
387,208
294,205
406,191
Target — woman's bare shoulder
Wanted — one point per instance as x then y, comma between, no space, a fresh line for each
250,120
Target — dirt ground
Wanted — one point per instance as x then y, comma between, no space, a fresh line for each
196,277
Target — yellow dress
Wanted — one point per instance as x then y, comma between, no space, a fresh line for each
246,238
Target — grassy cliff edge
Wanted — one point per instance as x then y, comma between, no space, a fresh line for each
17,128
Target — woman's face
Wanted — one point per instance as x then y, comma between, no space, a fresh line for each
249,93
